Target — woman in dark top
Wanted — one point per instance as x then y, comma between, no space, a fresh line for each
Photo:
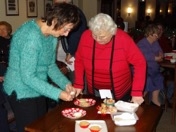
5,37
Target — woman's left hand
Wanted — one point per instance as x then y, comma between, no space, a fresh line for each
137,99
70,89
68,57
1,78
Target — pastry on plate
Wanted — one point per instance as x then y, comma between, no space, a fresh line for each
109,101
94,128
84,124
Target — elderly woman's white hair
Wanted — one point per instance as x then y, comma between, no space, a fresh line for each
102,23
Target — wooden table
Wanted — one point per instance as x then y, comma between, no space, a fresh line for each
167,64
54,121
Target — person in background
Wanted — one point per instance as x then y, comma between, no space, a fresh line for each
105,55
68,45
168,73
164,42
5,37
32,60
3,111
153,53
120,23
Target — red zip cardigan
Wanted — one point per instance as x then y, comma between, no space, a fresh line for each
110,66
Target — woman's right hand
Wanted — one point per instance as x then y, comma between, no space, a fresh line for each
66,96
1,78
78,91
158,58
64,70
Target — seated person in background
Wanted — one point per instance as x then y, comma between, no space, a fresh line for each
164,42
5,37
153,54
120,23
104,56
168,73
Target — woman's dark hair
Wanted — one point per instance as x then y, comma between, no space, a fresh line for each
63,13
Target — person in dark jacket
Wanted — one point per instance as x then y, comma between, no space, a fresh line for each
5,38
3,111
70,43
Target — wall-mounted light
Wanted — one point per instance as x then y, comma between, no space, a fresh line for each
169,11
129,11
149,11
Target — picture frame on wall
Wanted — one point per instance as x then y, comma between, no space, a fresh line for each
12,7
47,5
32,8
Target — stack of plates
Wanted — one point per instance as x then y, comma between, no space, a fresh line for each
127,115
126,106
124,118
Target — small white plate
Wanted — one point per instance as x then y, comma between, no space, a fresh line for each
73,113
101,123
126,106
124,118
168,56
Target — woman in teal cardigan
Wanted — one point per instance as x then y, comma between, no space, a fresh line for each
32,60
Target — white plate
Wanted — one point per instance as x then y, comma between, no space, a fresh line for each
85,102
125,122
73,113
110,110
102,123
168,56
106,109
126,106
124,118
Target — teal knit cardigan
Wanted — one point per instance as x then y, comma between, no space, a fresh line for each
32,60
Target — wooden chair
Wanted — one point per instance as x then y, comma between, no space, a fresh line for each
174,108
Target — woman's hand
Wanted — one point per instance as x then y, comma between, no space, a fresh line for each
1,78
66,96
68,57
137,99
78,91
64,70
159,58
71,90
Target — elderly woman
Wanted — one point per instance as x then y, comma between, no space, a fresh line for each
153,54
32,60
105,55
